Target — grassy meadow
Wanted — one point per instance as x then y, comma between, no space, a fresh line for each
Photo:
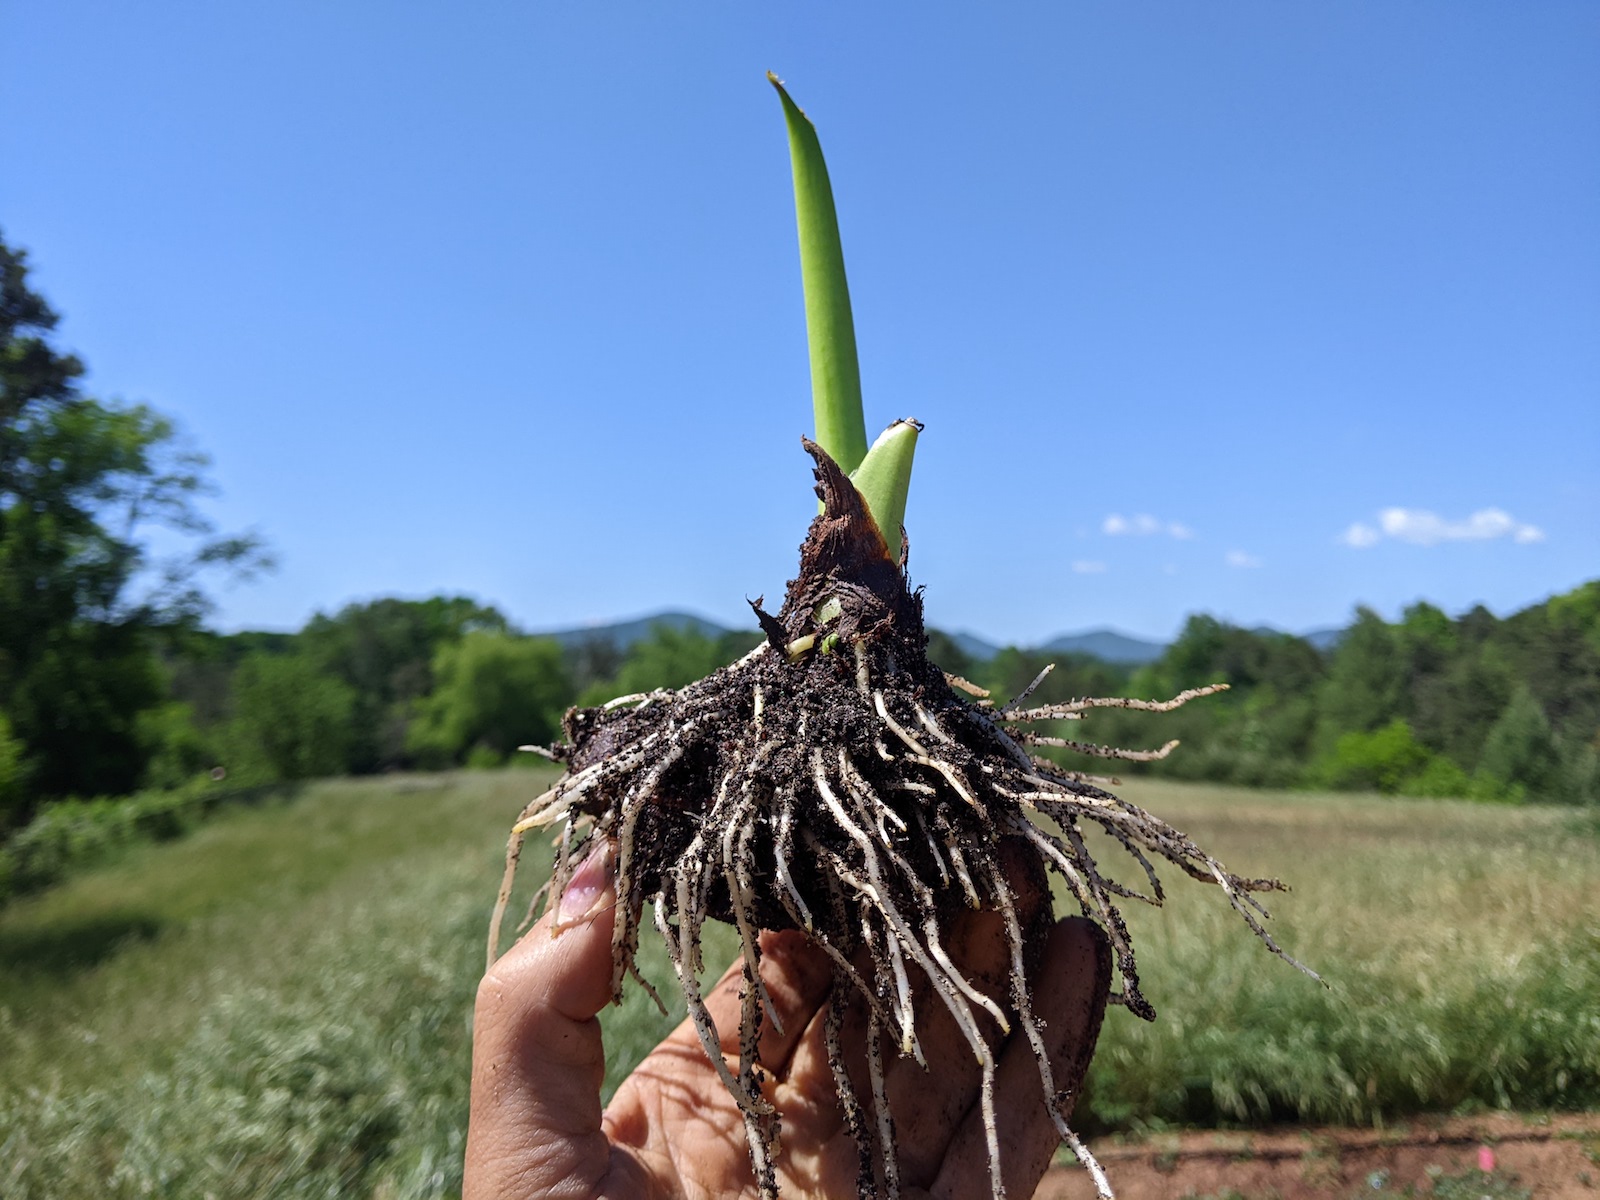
279,1005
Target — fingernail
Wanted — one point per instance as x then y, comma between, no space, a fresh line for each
588,884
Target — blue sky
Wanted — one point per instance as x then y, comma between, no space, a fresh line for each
1263,310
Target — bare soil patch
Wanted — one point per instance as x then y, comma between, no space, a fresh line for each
1547,1158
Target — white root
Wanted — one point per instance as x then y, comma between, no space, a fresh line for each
1035,1035
895,727
507,881
898,932
966,686
880,1108
1097,751
785,843
1065,712
957,784
750,1104
959,862
932,726
734,858
908,1016
859,788
1027,691
851,870
933,848
854,1119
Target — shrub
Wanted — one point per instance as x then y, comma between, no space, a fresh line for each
1440,778
71,834
290,721
177,750
1380,761
494,692
483,758
1580,775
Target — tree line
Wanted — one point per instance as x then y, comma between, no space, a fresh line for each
1472,706
110,681
392,685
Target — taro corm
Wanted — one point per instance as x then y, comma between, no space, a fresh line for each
835,781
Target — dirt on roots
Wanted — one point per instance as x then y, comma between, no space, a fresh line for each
833,781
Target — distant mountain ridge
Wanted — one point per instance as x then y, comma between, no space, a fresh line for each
623,634
1105,644
1108,646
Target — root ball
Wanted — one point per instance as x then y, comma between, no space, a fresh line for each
834,782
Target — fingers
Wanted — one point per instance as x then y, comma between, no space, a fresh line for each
537,1057
1069,999
797,976
675,1086
930,1105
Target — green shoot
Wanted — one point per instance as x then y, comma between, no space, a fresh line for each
830,331
883,474
884,478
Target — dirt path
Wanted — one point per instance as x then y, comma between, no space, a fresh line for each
1542,1158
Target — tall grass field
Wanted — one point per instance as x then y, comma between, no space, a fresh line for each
280,1005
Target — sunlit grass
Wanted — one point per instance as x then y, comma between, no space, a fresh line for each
1461,945
279,1005
276,1006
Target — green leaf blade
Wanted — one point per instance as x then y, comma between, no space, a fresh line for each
841,428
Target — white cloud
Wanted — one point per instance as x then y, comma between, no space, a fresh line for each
1085,567
1238,558
1420,527
1360,536
1143,525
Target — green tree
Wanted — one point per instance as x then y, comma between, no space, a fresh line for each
493,692
1258,733
1521,758
1388,760
670,658
176,749
11,768
591,661
1579,610
81,483
1366,684
1074,675
385,650
290,720
949,656
1454,708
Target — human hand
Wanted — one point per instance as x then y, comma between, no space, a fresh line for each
537,1128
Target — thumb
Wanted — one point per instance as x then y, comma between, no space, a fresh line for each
537,1057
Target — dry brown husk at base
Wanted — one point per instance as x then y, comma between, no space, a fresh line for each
833,781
